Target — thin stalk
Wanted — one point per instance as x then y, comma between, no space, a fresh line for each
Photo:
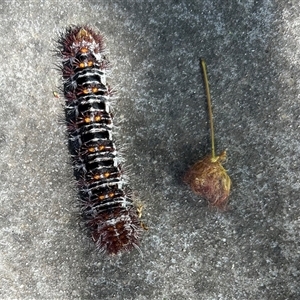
210,114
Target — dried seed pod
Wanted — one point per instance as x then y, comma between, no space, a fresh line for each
208,178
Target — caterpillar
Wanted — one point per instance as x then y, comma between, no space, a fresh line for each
106,206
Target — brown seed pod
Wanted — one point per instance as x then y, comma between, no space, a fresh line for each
208,178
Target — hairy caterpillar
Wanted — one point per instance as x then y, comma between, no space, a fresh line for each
106,206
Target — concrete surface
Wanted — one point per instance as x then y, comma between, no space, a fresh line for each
252,49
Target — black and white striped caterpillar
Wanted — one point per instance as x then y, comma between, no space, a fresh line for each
107,208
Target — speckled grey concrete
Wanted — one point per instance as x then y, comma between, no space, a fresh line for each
252,49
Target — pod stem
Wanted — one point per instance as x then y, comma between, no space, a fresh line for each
210,114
